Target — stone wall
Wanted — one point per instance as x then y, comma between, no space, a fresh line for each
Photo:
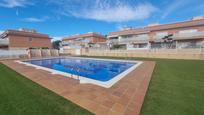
44,52
153,53
54,52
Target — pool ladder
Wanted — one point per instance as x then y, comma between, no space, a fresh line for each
75,75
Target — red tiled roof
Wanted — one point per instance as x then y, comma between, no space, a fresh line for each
147,29
83,36
129,32
23,33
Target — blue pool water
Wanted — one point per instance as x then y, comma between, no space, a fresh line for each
101,70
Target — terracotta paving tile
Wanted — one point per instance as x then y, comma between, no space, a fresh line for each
124,98
101,110
108,103
114,113
118,108
118,93
100,99
131,112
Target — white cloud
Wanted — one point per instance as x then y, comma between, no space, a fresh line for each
34,19
119,13
105,10
14,3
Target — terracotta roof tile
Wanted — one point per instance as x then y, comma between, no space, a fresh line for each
147,29
83,36
23,33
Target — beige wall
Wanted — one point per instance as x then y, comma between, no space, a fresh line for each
44,52
156,53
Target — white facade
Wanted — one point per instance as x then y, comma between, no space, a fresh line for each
190,38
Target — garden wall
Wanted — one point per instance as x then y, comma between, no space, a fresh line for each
153,53
12,54
44,52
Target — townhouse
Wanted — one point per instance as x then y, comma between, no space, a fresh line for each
187,34
24,39
87,40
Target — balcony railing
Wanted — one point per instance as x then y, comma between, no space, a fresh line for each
113,41
134,39
188,35
4,42
158,38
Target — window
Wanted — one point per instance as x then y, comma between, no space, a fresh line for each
144,45
126,36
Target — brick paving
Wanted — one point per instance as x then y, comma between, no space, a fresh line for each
124,98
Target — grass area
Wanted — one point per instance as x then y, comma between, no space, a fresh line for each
20,96
176,88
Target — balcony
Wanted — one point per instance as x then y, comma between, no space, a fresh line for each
138,39
115,41
87,40
4,42
192,35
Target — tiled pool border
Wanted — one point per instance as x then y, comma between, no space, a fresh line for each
83,80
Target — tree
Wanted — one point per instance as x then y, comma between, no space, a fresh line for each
116,46
168,40
56,44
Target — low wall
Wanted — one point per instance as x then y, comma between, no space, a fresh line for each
153,53
69,51
54,52
44,52
11,54
35,53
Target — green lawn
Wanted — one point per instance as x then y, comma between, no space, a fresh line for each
20,96
176,88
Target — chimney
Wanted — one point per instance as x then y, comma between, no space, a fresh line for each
197,18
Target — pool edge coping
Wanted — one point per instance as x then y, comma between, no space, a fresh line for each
84,80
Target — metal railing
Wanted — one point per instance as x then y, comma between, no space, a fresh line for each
131,39
134,39
188,35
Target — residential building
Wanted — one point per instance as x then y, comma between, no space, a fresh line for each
87,40
187,34
24,39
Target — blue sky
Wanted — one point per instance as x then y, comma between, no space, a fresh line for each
60,18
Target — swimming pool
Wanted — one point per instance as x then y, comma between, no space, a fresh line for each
101,72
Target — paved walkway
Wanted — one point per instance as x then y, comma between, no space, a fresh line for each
123,98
